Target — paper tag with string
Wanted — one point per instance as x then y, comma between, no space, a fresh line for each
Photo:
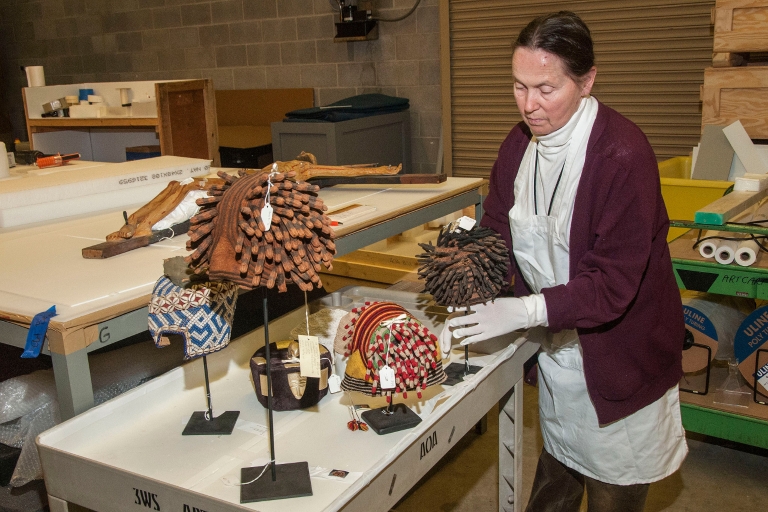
266,216
266,212
309,356
387,374
464,222
387,378
334,383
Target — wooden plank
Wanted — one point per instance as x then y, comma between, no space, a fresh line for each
109,249
745,41
727,60
407,179
721,211
69,122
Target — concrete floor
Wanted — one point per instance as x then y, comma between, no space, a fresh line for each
715,476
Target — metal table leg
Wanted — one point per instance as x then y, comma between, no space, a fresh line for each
73,382
511,450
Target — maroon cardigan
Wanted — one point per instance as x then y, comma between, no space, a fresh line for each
622,297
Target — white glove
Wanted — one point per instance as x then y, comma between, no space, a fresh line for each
496,318
446,336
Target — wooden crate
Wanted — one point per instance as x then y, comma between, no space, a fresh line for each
731,94
741,27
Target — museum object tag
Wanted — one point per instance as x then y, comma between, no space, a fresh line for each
266,216
309,356
387,378
334,383
465,223
266,212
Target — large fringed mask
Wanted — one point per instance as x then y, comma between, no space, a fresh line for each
235,238
384,334
466,267
201,314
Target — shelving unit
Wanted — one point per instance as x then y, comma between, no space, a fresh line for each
700,413
183,124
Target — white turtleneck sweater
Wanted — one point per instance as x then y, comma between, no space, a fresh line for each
554,151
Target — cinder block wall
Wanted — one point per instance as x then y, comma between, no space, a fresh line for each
240,44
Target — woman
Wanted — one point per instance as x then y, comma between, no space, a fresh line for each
575,192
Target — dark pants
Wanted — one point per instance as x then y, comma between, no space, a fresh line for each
558,488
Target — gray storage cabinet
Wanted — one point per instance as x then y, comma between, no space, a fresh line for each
384,140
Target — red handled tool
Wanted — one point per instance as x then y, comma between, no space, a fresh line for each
55,160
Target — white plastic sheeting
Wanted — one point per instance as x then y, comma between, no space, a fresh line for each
28,404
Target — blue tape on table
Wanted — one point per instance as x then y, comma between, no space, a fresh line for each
36,334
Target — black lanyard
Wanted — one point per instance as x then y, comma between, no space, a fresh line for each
535,173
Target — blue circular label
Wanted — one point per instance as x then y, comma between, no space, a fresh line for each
752,333
699,321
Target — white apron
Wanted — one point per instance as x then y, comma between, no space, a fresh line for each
641,448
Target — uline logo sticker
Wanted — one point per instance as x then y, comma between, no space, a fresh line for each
762,376
187,508
146,499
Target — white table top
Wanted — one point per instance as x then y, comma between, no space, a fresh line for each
42,265
139,432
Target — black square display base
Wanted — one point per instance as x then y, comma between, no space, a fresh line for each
292,481
401,418
223,425
455,373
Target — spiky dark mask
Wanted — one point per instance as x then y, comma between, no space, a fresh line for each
466,267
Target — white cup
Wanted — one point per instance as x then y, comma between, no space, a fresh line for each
35,76
5,170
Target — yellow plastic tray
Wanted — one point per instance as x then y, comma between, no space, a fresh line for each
682,195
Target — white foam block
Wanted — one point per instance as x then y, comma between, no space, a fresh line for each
37,197
84,111
751,183
744,148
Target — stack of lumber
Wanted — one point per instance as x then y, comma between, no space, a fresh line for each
735,86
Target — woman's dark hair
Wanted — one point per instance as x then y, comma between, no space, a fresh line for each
563,34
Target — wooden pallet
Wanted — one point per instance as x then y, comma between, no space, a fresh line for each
741,30
731,94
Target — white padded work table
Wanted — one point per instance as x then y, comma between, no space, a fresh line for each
100,302
128,453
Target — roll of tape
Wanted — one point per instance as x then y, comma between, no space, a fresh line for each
726,251
746,253
707,248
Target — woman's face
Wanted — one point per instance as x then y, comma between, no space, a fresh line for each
546,95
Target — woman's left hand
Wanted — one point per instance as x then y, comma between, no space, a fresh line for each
493,319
